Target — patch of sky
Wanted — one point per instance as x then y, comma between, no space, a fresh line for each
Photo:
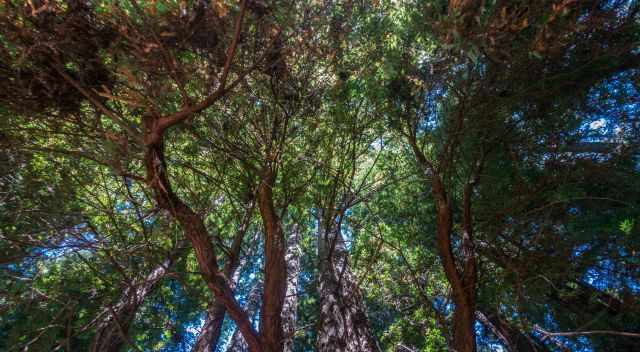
377,144
431,108
81,240
581,250
609,275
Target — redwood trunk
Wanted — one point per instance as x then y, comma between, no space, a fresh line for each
194,229
289,311
344,326
463,282
210,333
275,271
113,331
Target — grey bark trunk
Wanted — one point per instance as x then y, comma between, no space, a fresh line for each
290,308
210,333
112,332
238,344
344,326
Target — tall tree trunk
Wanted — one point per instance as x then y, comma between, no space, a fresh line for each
463,283
275,269
210,334
461,274
289,311
238,344
344,326
195,230
112,332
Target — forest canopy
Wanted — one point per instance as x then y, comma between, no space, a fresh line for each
320,175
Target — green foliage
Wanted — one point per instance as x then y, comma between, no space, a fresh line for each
526,110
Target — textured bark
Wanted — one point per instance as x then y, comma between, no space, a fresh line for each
210,334
462,274
344,326
238,344
463,284
195,230
275,269
289,311
112,332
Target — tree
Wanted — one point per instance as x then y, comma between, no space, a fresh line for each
316,175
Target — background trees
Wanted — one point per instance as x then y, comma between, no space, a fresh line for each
333,176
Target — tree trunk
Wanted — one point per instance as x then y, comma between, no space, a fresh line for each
463,284
289,311
275,269
195,230
238,344
113,331
210,334
344,326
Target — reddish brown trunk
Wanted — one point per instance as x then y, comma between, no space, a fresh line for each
275,271
464,337
195,231
463,285
210,333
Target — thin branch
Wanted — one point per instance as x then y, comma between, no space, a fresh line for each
546,334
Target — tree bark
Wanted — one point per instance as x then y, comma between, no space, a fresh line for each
289,311
344,326
275,270
210,333
463,284
112,332
195,230
238,344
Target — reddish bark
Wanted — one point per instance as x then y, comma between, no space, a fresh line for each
195,231
210,333
275,271
463,284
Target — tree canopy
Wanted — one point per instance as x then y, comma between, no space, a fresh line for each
319,175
